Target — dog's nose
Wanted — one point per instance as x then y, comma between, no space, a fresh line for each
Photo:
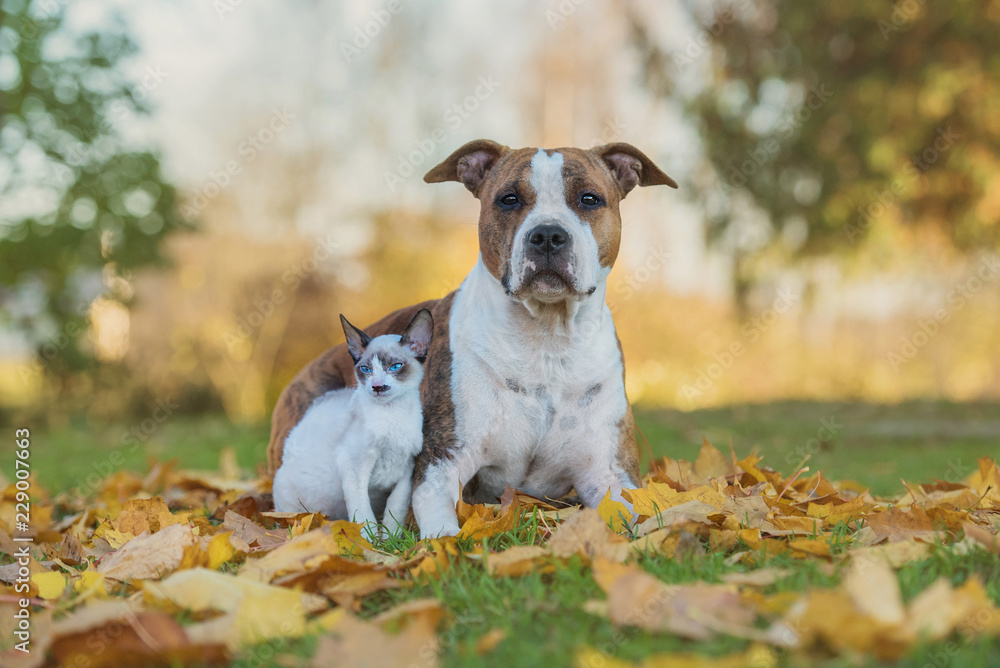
548,238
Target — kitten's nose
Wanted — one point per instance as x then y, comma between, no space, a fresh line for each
378,388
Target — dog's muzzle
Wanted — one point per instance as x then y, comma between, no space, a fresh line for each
548,262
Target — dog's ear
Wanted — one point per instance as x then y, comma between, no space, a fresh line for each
357,340
418,334
631,167
469,164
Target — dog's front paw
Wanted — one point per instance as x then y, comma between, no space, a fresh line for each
439,531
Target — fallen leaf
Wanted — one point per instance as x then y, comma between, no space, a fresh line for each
117,634
516,561
258,611
309,552
50,585
149,557
360,644
587,534
897,524
614,513
696,611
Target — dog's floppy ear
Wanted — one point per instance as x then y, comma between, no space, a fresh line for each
469,164
357,340
418,334
631,167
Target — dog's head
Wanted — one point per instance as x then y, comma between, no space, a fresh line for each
549,224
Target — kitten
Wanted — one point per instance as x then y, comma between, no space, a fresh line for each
352,454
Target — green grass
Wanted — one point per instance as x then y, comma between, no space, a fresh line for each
542,614
875,445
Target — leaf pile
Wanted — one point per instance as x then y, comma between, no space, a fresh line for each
184,568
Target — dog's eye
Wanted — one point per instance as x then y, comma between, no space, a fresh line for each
365,369
509,201
590,199
396,367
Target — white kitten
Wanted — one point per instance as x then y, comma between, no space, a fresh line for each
352,454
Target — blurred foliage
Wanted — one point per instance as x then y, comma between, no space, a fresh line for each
82,211
842,122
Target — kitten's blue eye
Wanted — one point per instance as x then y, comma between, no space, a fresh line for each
396,367
365,369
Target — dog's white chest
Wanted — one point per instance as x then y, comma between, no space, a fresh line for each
536,411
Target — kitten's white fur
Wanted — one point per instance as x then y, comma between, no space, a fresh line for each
351,455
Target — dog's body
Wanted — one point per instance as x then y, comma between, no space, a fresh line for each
524,381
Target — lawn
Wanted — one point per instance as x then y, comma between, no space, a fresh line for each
558,609
875,445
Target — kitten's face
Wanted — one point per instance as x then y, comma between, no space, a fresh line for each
387,369
390,365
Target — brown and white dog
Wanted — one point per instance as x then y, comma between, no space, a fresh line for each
524,381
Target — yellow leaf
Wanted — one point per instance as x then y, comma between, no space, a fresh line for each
614,513
220,550
710,463
50,585
267,616
90,583
117,539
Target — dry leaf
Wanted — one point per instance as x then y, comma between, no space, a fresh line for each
149,557
518,560
357,644
614,513
586,533
116,634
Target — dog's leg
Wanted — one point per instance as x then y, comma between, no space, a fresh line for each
594,482
435,498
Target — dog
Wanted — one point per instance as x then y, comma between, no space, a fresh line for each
524,382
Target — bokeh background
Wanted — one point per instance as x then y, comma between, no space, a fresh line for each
191,192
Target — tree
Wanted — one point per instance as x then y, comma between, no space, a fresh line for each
81,210
843,122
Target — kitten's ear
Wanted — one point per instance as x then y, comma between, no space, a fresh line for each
418,333
357,340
